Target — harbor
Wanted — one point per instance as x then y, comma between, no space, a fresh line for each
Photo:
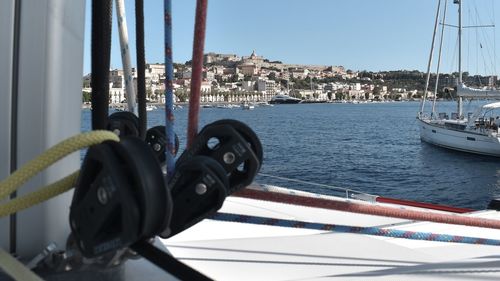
371,147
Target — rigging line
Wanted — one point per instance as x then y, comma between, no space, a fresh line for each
101,54
494,39
141,67
125,54
488,43
482,35
454,59
367,209
429,64
367,230
439,60
196,72
468,38
477,40
169,95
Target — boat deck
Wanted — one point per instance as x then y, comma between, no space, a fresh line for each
237,251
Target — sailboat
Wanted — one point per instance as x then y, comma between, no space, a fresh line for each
477,132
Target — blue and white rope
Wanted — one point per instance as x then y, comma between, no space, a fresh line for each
376,231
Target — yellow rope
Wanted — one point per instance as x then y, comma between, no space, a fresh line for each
39,196
7,263
47,158
15,268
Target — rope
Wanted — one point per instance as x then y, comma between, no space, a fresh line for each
141,67
353,207
169,95
125,52
197,65
16,269
39,196
50,156
101,50
376,231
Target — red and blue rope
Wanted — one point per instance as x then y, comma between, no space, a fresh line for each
197,68
376,231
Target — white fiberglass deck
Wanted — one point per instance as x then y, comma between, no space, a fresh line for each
236,251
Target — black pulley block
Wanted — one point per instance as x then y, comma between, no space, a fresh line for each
234,145
199,188
156,138
120,197
124,123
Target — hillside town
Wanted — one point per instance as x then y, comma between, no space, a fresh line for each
253,78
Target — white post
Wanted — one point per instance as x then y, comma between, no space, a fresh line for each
47,109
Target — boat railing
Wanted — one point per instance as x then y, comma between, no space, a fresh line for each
342,192
348,193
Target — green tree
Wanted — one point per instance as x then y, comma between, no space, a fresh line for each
182,94
272,76
86,96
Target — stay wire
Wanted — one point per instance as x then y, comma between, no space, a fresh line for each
141,67
100,61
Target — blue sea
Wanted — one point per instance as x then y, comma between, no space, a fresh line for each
373,148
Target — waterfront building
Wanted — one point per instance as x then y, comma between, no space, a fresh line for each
299,73
155,72
249,69
186,73
267,87
116,95
208,75
254,59
248,85
223,59
206,87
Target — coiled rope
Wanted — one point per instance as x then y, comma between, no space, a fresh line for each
40,163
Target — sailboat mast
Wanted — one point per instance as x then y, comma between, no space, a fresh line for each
459,41
459,105
439,59
429,64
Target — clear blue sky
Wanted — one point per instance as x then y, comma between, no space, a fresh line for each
358,34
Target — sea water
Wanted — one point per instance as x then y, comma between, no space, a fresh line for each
373,148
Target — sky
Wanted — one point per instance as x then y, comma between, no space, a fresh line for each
374,35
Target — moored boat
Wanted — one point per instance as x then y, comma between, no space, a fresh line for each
475,133
284,99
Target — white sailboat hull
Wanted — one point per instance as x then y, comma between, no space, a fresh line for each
459,140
